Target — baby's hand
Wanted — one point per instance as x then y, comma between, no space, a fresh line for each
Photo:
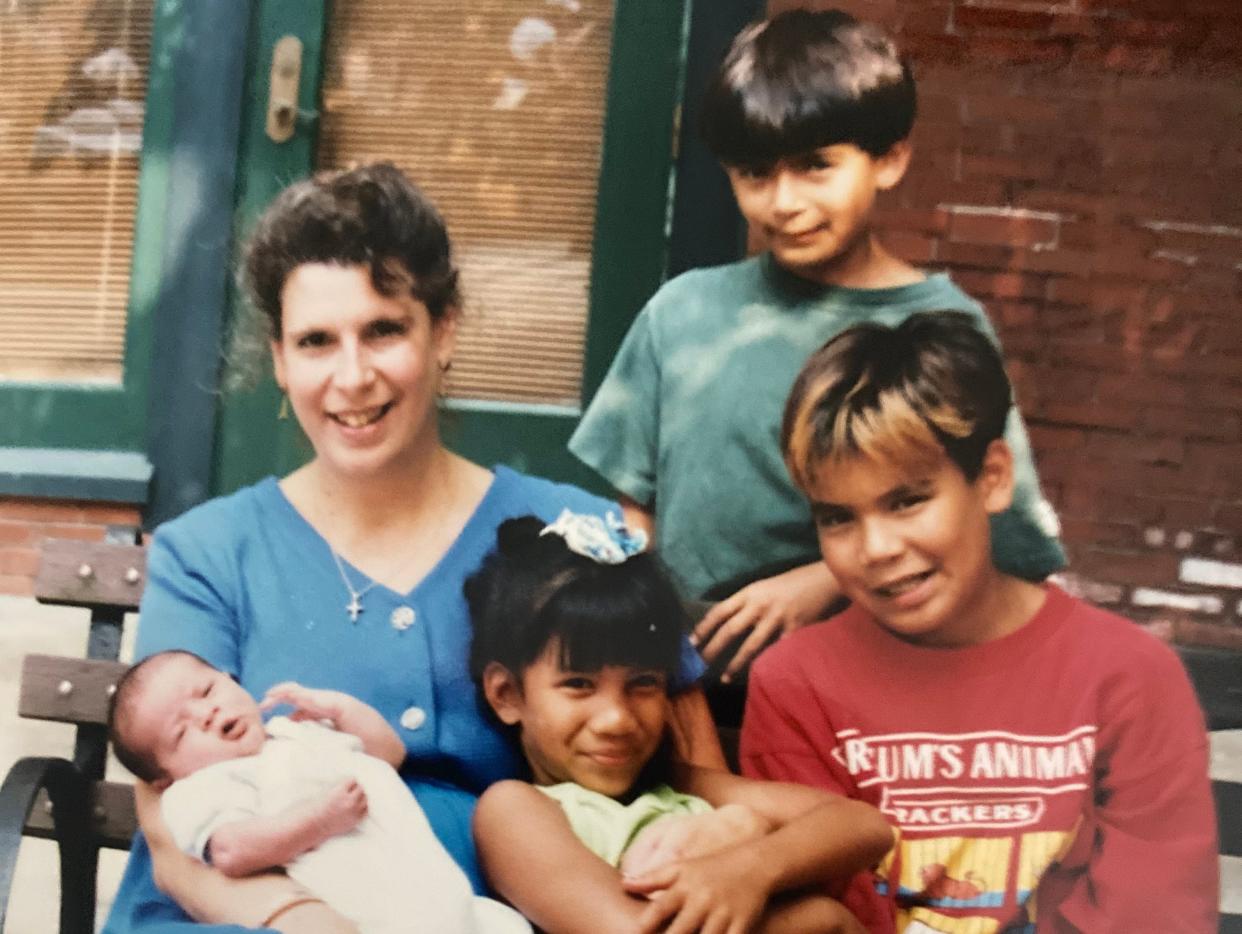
307,703
689,836
341,809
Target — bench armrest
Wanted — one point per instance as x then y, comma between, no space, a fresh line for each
69,792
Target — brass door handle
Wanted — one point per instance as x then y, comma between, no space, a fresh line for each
282,98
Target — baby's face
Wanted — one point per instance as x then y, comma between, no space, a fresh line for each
190,715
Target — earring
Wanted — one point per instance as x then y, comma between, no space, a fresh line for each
283,412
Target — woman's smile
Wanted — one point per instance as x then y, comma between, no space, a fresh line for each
361,418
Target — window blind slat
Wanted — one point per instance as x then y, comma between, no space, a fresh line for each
72,89
496,109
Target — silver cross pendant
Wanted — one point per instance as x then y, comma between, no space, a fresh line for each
353,608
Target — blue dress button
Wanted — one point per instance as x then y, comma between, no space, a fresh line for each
413,718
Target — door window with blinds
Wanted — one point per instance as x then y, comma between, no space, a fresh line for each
72,86
496,109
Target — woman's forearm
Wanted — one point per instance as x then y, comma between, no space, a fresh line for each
309,916
208,896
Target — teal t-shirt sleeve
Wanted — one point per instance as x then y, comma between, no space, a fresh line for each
618,436
1026,536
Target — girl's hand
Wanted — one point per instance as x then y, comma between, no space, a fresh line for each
307,703
721,894
690,836
773,606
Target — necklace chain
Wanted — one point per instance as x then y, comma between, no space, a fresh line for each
354,606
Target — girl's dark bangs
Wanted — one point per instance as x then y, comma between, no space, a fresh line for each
627,625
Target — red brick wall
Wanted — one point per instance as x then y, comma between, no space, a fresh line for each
1078,168
25,523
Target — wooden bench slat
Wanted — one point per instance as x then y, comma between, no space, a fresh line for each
114,817
68,690
116,575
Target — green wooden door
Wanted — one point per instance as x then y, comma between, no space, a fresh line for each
628,237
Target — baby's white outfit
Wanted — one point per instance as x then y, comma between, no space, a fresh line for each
389,875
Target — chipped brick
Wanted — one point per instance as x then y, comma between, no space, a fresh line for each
1090,590
1210,573
1191,603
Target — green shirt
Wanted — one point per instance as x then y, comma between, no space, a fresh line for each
688,421
606,826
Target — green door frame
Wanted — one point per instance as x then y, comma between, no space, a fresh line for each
87,441
250,440
205,46
631,235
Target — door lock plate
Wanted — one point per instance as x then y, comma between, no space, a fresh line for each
282,99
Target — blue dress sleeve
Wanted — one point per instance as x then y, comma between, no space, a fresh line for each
187,603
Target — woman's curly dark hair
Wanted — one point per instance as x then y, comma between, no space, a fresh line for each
370,216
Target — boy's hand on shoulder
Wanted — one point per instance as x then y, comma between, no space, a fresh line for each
340,810
768,608
691,835
727,891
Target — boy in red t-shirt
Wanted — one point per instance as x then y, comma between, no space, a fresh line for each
1044,761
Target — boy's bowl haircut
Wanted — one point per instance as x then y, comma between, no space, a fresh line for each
933,385
804,80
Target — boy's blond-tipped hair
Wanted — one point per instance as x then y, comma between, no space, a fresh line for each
932,386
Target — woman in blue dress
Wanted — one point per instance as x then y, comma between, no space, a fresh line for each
348,572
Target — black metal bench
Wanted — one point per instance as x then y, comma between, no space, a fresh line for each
1217,676
1229,821
68,800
